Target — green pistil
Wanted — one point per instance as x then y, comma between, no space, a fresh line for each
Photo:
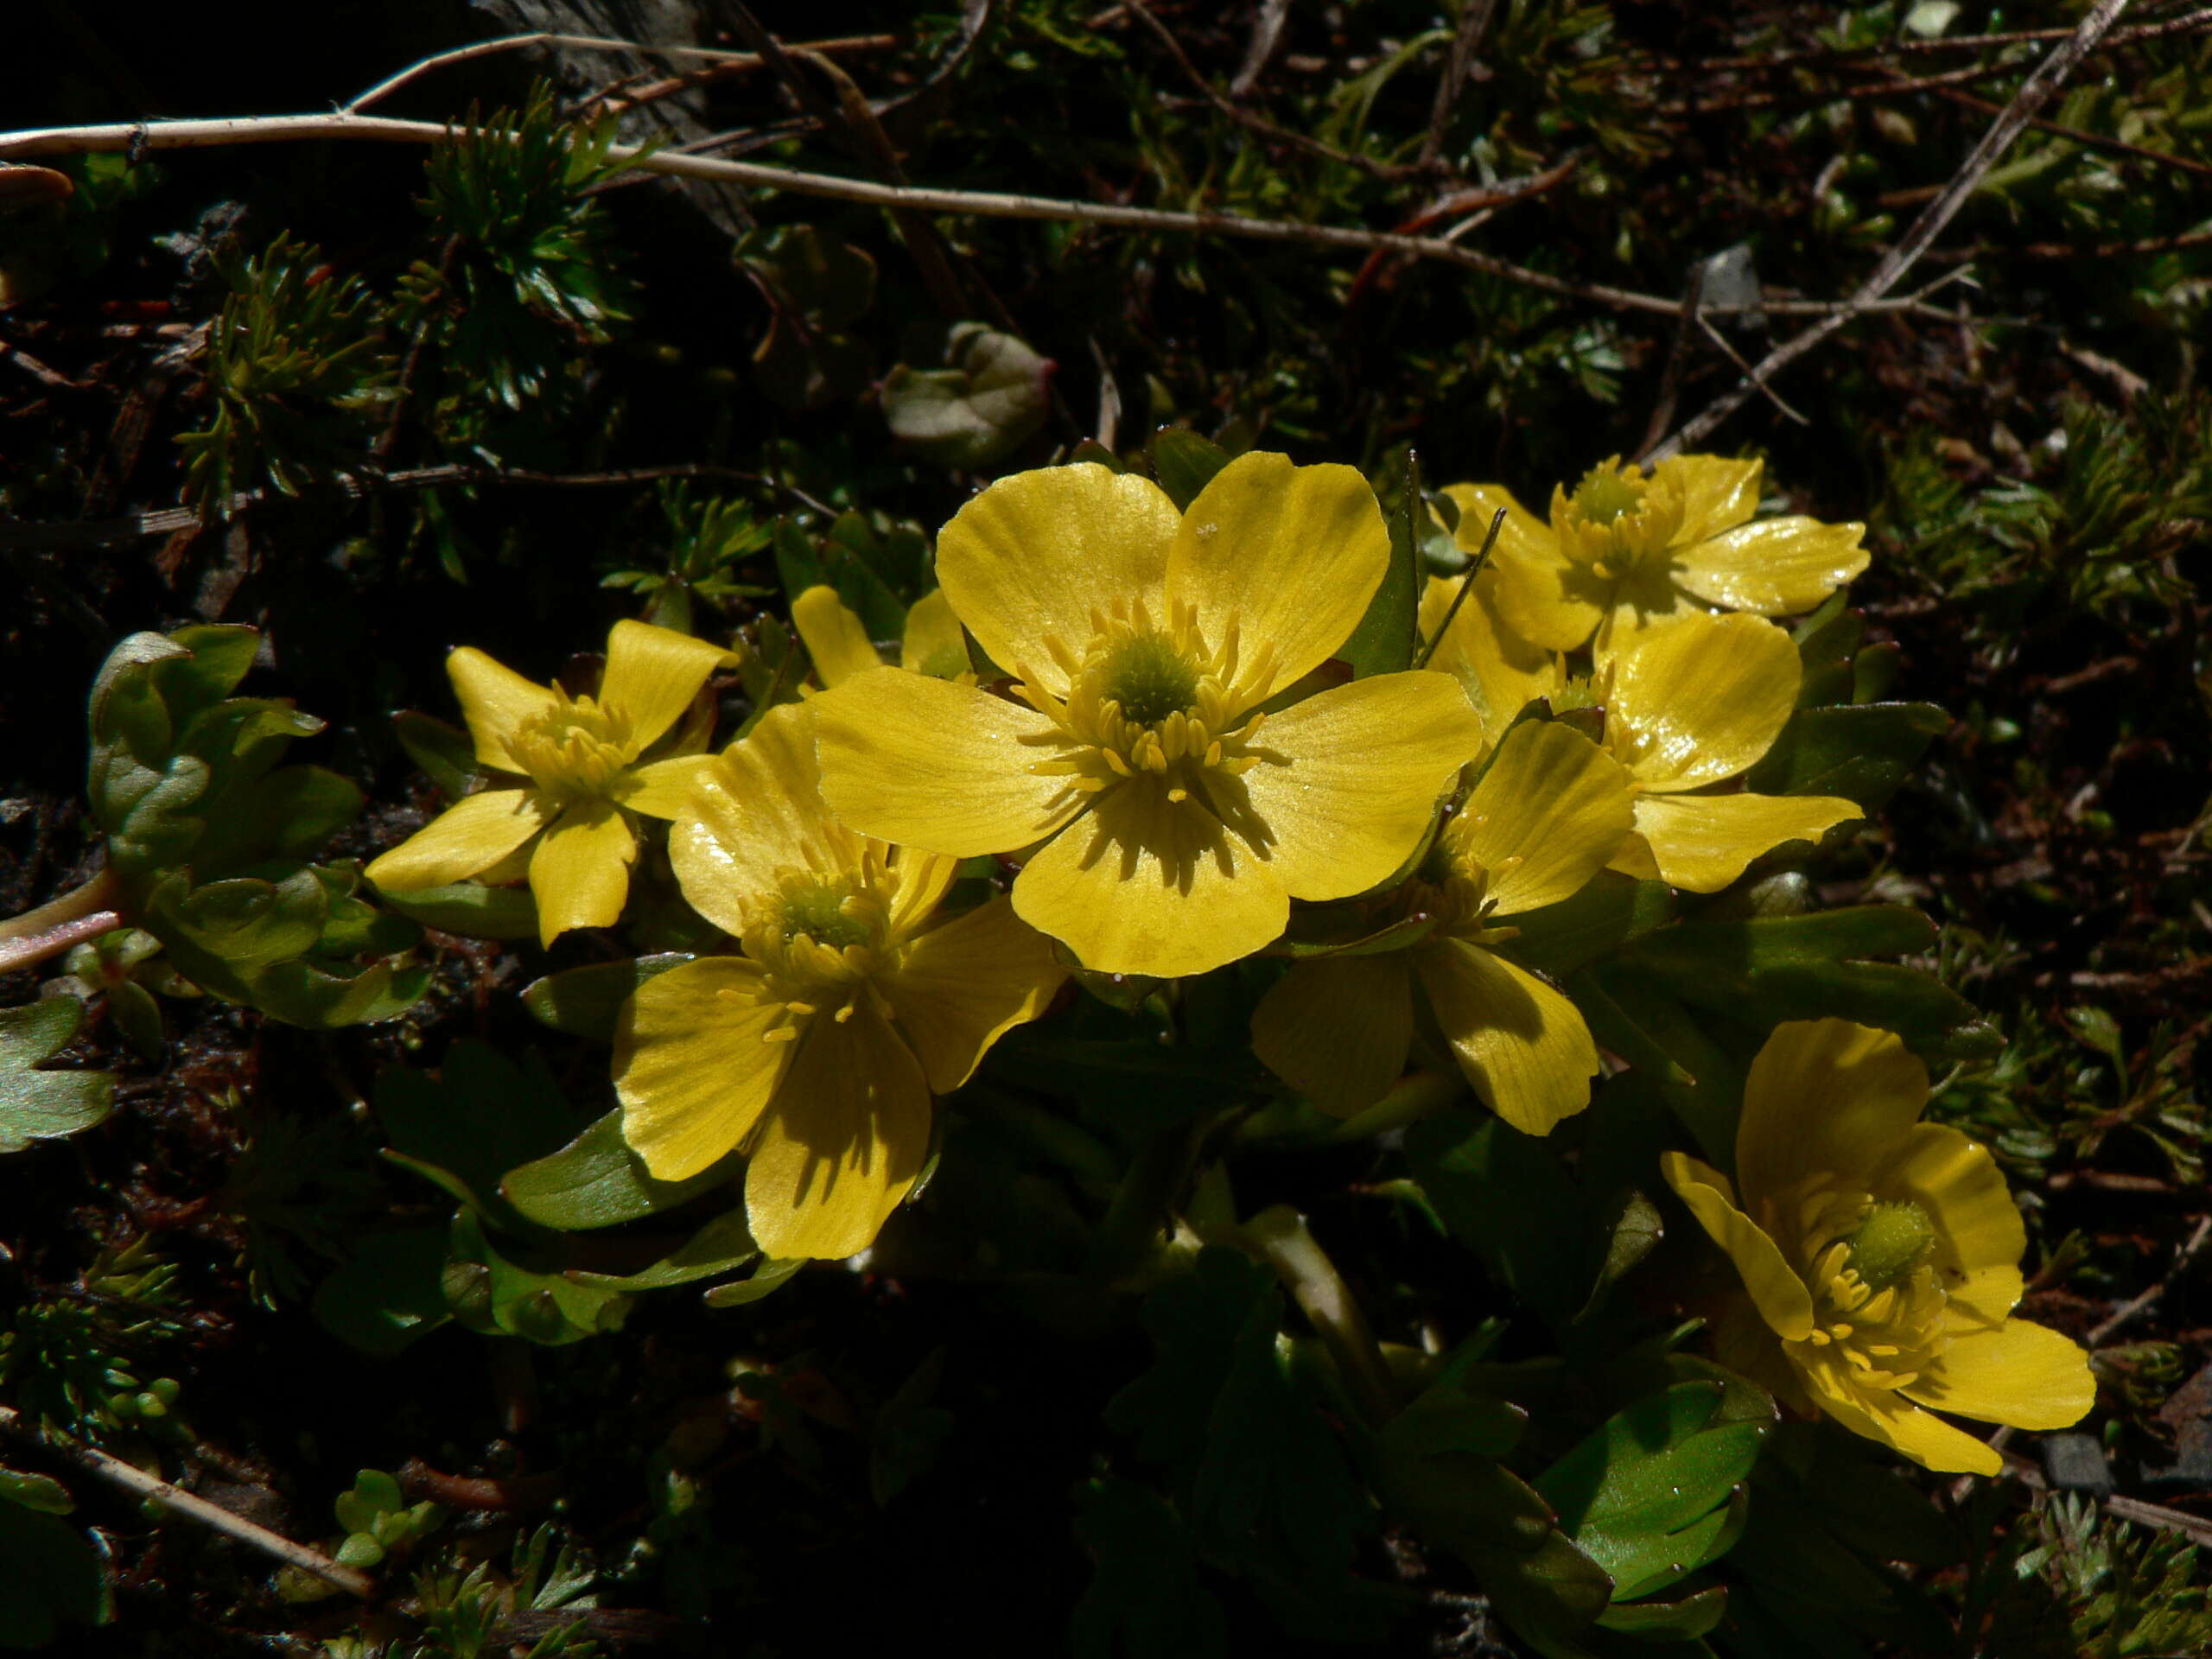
1892,1240
1603,496
819,913
1151,680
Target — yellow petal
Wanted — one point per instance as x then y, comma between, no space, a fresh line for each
919,882
836,640
1777,567
1955,1180
2015,1373
1888,1417
1141,884
1037,554
756,810
944,767
1701,699
1702,843
1350,779
1553,808
1718,493
1501,672
845,1140
1642,602
580,873
1338,1030
1286,556
1783,1300
495,701
1542,596
663,789
693,1066
652,675
467,838
1520,1044
1826,1097
934,644
961,987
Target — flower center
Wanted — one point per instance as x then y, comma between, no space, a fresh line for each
1618,519
1144,701
824,940
575,751
827,913
1892,1240
1454,886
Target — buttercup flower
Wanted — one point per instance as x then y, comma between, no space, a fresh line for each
579,755
1880,1255
1691,705
1626,548
820,1047
836,640
1541,823
1173,819
1501,672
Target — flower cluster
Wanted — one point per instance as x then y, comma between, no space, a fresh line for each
1142,714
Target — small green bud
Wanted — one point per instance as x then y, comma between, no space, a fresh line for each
1891,1241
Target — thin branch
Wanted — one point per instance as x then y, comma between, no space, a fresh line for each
2089,140
2187,23
1916,241
2129,1309
290,129
727,62
1474,19
1466,586
1748,371
93,1461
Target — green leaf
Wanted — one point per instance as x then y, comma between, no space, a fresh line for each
767,1277
588,1001
1388,634
721,1246
1860,752
597,1181
1145,1599
48,1578
479,1117
445,752
1506,1197
990,399
39,1105
388,1293
39,1492
495,1296
1185,463
1667,1621
1605,915
470,909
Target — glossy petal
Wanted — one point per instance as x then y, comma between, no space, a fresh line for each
1521,1044
1777,567
693,1066
920,881
1718,493
1038,553
580,873
1541,595
1643,601
836,640
495,701
843,1142
1783,1300
1702,843
1338,1029
1701,699
1888,1417
1522,536
1140,885
664,789
467,839
1551,810
945,767
934,644
1826,1097
652,675
1958,1183
758,811
2015,1373
963,986
1351,777
1288,555
1501,672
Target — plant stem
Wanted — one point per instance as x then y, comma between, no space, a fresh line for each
1279,1237
84,913
1144,1203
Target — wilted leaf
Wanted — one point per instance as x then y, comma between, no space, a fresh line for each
990,400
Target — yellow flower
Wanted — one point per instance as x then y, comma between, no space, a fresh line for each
581,756
1501,672
1173,819
1627,548
820,1047
1542,820
1881,1255
836,640
1691,705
